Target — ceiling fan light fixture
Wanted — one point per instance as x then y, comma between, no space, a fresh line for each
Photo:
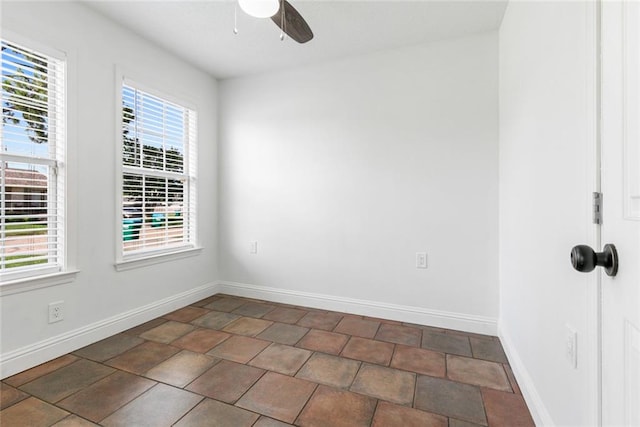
260,8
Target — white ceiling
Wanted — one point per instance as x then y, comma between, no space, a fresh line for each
201,31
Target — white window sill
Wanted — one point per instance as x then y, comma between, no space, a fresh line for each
131,264
37,282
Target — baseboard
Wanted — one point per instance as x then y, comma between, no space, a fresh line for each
536,406
410,314
32,355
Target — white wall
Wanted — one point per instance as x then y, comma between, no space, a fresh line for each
342,172
547,174
102,301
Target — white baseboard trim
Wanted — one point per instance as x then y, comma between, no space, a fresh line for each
32,355
536,406
402,313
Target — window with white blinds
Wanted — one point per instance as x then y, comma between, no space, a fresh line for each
32,148
158,174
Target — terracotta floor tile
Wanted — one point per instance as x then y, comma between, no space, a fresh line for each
140,359
385,383
207,300
247,326
254,309
225,304
270,422
215,320
399,334
200,340
40,370
477,372
488,350
459,423
452,399
74,421
31,412
368,350
212,413
65,381
186,314
252,300
512,379
329,370
108,348
424,327
326,342
446,343
307,309
181,369
285,315
283,333
167,332
329,407
106,396
277,396
377,319
281,358
471,335
389,414
320,320
359,327
145,326
355,316
506,409
10,395
161,406
419,360
226,381
239,349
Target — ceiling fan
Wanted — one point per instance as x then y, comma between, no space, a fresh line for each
283,14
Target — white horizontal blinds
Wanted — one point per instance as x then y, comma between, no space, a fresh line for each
158,177
192,156
31,152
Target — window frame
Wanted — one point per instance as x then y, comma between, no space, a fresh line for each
57,179
141,258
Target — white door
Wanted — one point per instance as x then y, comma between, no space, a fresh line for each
621,212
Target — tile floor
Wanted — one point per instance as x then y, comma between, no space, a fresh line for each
228,361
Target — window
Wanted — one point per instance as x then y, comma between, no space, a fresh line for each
32,148
158,175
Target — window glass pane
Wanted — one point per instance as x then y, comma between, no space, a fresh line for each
31,198
153,131
28,225
158,195
25,102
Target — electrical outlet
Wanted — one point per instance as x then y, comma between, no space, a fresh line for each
253,247
571,346
56,312
421,260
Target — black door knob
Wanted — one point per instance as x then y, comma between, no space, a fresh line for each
585,259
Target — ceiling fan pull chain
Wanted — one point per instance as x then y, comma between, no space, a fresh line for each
282,22
235,17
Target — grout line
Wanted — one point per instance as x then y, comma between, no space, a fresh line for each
246,391
315,389
446,366
186,413
373,414
415,391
